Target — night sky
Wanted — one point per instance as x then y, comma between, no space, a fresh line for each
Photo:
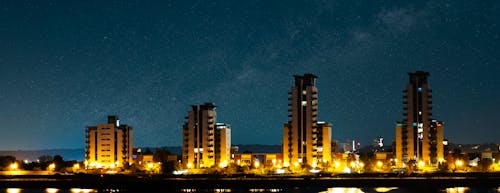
68,64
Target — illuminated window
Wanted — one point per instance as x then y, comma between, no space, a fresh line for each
419,89
304,92
304,103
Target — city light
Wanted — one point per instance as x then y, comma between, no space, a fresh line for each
13,190
379,164
51,190
256,164
52,167
421,164
459,163
223,164
14,166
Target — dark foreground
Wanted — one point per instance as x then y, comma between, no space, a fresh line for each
142,183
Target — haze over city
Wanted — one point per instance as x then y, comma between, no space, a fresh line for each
66,65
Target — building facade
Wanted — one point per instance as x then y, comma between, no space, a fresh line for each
418,136
108,145
205,143
222,144
305,141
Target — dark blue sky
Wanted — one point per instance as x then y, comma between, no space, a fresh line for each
68,64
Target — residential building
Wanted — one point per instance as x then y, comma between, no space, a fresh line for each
205,142
418,136
305,141
223,144
108,145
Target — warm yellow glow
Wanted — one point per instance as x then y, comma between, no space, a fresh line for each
52,166
337,164
361,164
274,162
223,164
385,189
457,190
79,190
459,163
286,164
343,190
379,164
76,166
421,163
14,166
51,190
440,160
473,164
395,160
296,164
353,164
256,164
14,190
314,164
190,165
150,165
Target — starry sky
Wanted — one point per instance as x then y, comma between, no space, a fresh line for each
68,64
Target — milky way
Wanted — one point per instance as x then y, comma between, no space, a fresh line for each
67,64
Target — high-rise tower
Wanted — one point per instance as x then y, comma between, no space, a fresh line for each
418,136
304,140
205,143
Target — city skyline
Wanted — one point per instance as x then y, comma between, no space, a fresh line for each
65,65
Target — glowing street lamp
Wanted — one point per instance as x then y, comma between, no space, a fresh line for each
256,164
14,166
421,164
76,167
52,166
379,164
459,163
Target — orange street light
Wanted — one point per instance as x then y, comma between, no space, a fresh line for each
14,166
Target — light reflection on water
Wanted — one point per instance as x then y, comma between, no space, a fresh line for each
13,190
457,190
343,190
300,190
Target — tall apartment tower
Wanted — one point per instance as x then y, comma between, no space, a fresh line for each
108,145
205,143
222,144
305,141
418,136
